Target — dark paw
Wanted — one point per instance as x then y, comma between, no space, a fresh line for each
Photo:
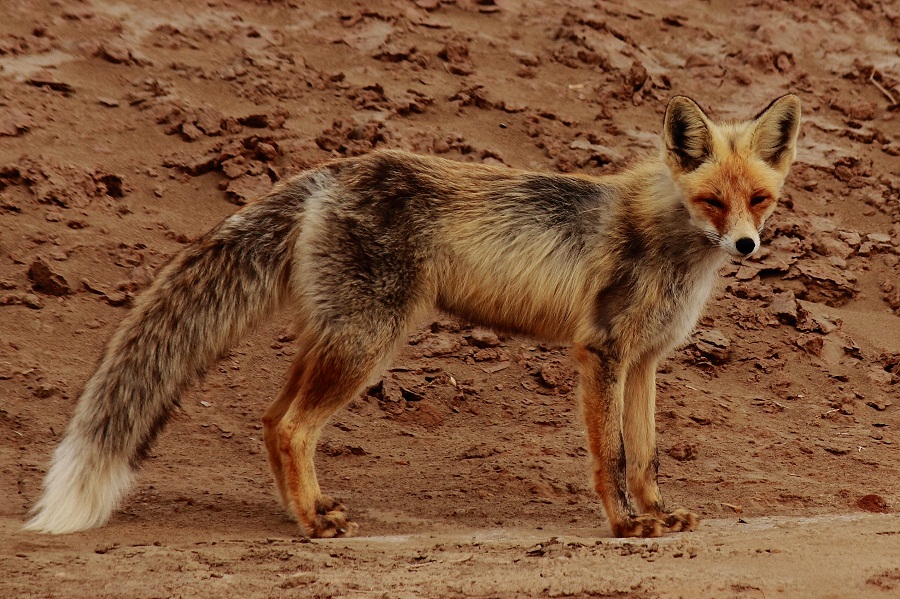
331,520
644,526
680,520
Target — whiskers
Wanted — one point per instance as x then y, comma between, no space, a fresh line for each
714,238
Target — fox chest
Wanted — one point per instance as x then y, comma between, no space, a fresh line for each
677,317
686,313
653,314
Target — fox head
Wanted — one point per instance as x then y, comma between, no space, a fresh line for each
731,173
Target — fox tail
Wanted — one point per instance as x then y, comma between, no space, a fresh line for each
199,306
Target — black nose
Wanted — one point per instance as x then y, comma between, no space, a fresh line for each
745,245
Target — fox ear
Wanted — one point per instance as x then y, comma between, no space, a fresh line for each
686,134
775,132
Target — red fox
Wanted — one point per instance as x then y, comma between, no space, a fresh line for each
361,250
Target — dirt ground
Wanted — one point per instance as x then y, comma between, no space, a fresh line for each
128,128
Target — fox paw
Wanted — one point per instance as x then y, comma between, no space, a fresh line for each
645,526
331,520
680,520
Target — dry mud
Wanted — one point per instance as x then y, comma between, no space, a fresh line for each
128,128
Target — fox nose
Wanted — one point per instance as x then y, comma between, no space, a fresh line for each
745,245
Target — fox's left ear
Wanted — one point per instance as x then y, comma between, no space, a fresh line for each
686,135
775,132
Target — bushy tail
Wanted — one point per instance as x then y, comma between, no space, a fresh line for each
199,305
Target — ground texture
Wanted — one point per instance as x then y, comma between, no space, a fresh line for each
128,128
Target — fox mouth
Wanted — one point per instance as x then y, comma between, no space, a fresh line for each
737,257
736,253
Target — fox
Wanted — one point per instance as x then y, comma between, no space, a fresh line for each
361,250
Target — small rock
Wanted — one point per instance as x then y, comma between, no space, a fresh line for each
235,167
267,151
46,79
872,503
21,299
287,336
856,109
784,307
248,187
829,246
552,374
603,154
209,121
852,238
438,346
118,298
456,54
481,451
484,338
386,390
46,281
814,322
425,414
636,77
115,51
835,450
14,122
191,132
32,301
411,394
697,60
45,390
93,287
713,344
784,62
881,406
683,452
825,283
261,121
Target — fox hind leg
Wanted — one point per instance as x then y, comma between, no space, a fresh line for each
322,379
271,419
639,426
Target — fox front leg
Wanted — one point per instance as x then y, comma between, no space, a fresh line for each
601,392
641,451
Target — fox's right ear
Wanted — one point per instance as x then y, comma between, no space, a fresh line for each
686,134
775,131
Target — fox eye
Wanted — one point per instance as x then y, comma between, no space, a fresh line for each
757,200
713,203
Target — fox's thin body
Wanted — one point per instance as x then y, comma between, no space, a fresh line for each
361,250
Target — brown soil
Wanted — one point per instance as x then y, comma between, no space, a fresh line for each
128,128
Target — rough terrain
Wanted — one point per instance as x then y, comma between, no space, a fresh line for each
128,128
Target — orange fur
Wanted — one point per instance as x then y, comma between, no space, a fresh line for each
361,249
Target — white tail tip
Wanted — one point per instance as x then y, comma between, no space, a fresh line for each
81,489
